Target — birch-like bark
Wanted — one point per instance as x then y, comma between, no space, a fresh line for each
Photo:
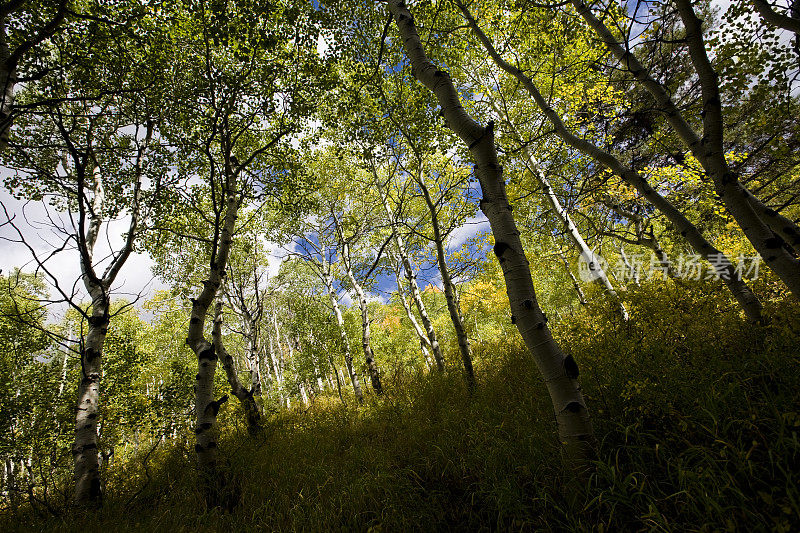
253,363
565,222
263,369
779,224
290,345
8,82
276,359
559,372
303,395
85,451
348,356
269,376
664,261
748,211
275,351
575,284
423,338
251,310
411,275
787,22
88,489
629,267
245,396
431,338
9,59
721,263
336,376
449,289
205,407
320,381
369,355
708,150
645,236
62,381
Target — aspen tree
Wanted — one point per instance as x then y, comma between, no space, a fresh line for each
430,339
722,265
369,355
12,53
449,288
564,219
559,372
765,228
244,395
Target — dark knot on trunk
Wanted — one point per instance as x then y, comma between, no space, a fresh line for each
213,406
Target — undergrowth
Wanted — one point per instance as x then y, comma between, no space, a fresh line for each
697,423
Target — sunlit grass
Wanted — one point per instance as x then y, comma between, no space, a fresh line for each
692,436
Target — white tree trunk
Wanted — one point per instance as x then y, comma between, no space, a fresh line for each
449,289
423,338
9,59
575,284
747,300
253,359
303,394
778,223
88,489
709,149
789,21
62,381
205,407
348,357
565,223
416,295
559,372
337,376
369,356
741,204
8,82
85,450
245,396
318,375
275,354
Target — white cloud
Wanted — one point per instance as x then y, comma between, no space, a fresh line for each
376,297
322,44
345,298
45,229
469,229
276,255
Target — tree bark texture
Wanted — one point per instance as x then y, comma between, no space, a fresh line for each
369,355
708,149
565,223
423,338
206,407
244,395
348,356
741,292
559,372
416,295
449,289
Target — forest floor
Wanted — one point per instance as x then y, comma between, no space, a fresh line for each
698,426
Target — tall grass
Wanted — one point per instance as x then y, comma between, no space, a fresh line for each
697,417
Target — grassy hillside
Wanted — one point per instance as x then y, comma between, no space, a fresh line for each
697,422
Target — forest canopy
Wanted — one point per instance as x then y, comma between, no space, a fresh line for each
445,264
